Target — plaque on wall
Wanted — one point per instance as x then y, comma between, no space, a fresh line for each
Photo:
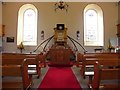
10,39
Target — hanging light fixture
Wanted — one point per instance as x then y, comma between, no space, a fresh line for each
61,5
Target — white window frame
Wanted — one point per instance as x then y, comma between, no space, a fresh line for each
21,26
100,29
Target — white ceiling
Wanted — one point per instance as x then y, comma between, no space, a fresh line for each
59,0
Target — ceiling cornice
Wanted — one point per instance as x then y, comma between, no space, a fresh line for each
59,0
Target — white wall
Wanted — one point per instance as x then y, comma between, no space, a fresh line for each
48,18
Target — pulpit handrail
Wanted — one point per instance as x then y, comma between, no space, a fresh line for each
48,39
77,43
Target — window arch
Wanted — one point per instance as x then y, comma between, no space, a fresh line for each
93,25
27,25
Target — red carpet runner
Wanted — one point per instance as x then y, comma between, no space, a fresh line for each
60,77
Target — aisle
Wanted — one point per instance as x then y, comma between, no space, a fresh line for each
59,77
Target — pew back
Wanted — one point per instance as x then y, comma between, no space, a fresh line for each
15,71
17,59
105,59
109,74
11,70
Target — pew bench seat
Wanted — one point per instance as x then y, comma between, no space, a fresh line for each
32,72
32,69
89,73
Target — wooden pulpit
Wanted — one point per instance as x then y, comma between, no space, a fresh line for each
60,35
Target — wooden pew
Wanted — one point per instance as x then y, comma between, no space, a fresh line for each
104,54
102,58
79,59
16,58
102,72
42,60
16,71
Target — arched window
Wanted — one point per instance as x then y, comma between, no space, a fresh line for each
27,25
93,25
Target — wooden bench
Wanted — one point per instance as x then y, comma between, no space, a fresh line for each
16,59
102,58
79,59
16,71
42,60
104,54
102,72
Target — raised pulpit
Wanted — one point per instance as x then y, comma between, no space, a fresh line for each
60,34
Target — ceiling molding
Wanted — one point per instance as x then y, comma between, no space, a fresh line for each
59,0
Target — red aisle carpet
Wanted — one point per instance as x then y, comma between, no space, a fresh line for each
60,77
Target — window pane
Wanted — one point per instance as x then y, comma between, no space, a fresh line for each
91,25
29,26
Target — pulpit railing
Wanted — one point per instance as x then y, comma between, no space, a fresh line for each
74,41
47,40
50,38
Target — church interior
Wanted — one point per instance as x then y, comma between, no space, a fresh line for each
60,45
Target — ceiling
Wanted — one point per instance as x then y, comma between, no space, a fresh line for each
59,0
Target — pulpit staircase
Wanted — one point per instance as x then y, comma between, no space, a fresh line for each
59,54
